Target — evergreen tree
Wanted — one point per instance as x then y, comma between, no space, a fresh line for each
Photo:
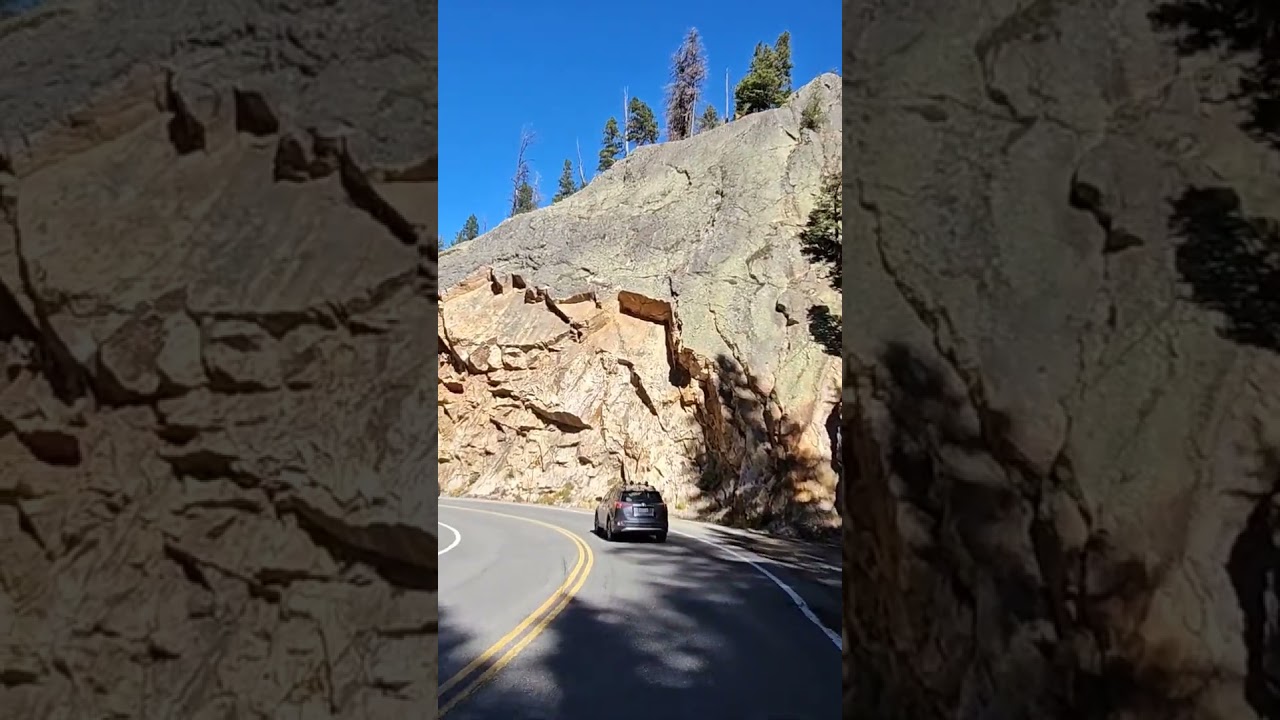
524,199
688,72
767,83
710,118
611,145
470,230
757,90
811,116
642,125
782,60
567,185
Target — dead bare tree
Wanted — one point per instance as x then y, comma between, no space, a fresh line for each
523,194
728,109
581,174
626,119
688,72
535,194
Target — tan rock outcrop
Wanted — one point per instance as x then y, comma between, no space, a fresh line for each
645,328
215,450
1064,388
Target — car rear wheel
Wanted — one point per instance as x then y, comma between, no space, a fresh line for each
608,529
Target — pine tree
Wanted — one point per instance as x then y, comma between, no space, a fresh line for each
526,199
642,125
811,117
710,118
470,230
611,145
767,83
567,185
782,60
688,72
757,90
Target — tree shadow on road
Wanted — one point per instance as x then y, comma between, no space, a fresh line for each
677,641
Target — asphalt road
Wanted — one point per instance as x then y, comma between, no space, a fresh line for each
542,620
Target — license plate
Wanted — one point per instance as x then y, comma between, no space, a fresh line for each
644,512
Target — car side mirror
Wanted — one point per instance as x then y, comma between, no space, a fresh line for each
599,498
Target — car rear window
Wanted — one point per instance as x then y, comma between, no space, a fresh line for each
642,496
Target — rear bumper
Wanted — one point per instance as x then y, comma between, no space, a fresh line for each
639,526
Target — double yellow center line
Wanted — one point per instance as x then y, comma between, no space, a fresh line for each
483,669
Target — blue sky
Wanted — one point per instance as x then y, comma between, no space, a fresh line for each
559,69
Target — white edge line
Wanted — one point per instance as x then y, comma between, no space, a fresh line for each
457,538
800,604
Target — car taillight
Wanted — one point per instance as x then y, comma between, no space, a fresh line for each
621,505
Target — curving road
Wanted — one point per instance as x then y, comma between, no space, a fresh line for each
542,620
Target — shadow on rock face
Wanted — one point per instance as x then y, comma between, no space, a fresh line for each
1248,29
1231,262
826,329
1254,567
757,468
907,567
945,529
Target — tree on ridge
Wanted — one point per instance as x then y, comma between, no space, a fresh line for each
470,230
610,145
767,84
642,124
567,186
688,73
524,194
709,119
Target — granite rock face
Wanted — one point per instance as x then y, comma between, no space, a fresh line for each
653,327
215,450
1063,389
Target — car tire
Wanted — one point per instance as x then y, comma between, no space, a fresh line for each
660,537
608,529
595,524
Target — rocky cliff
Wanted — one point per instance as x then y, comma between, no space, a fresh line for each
215,445
1063,401
653,327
